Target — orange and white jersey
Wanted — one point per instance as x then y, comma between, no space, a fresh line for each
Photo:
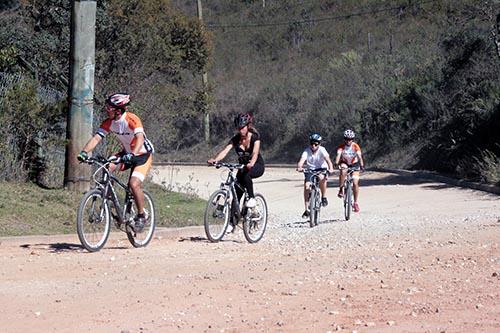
349,153
125,128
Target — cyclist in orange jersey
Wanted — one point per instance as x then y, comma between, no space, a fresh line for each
349,155
137,153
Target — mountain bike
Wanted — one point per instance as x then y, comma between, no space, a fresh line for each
101,203
347,193
224,208
315,195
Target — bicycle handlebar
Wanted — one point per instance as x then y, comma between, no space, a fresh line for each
351,169
102,160
230,166
316,171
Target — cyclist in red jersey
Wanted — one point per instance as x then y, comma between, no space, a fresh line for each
137,153
349,155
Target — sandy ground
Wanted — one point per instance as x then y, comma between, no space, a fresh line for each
419,257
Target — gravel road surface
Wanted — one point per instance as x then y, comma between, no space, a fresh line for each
421,256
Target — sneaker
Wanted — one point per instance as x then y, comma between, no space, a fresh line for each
253,213
230,228
218,212
324,202
251,203
139,222
355,207
306,214
340,194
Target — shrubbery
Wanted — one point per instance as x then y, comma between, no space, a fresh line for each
419,84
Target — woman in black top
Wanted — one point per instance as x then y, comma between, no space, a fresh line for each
246,144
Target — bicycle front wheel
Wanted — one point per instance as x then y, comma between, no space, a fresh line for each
217,215
317,206
314,206
347,201
255,222
93,221
141,239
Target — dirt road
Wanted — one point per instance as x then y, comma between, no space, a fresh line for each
419,257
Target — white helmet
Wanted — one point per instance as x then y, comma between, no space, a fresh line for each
119,100
349,134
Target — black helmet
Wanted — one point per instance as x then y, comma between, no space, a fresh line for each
315,137
242,120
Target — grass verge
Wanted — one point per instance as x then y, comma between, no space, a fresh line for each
27,209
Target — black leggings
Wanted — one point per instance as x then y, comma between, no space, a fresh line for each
245,176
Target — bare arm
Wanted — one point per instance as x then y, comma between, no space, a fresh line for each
300,164
330,164
90,145
139,143
221,154
337,158
255,154
361,161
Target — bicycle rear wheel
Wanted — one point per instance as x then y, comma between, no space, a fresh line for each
216,216
255,222
93,221
141,239
347,200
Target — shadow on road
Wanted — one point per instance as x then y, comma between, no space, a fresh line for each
64,247
54,247
305,224
205,240
387,180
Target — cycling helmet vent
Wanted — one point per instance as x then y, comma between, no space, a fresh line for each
315,137
242,120
349,134
119,100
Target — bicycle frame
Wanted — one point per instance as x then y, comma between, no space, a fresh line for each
94,220
105,183
315,176
230,185
348,178
314,193
348,192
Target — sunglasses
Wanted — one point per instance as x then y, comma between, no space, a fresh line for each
347,139
314,143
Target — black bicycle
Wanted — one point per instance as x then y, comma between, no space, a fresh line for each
101,203
315,195
347,193
224,208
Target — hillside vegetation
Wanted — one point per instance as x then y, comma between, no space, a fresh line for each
417,80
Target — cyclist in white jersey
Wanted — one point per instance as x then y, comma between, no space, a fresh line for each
137,150
314,157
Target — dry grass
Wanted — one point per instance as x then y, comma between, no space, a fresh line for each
27,209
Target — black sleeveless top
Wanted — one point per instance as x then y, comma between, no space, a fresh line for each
245,155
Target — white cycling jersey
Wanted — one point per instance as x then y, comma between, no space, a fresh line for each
317,159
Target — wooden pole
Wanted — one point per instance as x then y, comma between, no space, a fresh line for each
81,92
206,116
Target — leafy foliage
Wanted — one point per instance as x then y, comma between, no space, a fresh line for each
417,81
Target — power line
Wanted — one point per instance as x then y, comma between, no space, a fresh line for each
319,20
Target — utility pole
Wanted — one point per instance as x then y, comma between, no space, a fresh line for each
80,91
206,116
